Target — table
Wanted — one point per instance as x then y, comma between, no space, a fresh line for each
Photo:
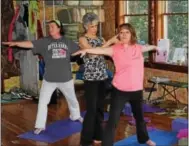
174,84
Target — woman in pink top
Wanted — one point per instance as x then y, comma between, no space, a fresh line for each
127,82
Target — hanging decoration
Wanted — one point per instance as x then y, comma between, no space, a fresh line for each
33,16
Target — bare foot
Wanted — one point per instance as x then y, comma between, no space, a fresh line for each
150,143
38,130
97,141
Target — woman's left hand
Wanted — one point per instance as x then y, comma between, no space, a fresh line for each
114,39
80,52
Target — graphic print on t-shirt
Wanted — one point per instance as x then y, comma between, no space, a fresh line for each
59,50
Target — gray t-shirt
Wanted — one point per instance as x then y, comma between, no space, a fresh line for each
56,54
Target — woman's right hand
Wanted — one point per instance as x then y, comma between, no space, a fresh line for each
10,44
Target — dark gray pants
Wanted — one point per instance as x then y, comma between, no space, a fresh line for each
118,100
92,125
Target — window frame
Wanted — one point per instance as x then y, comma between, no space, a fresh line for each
134,15
156,28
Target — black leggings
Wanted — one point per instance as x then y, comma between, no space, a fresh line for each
118,100
92,125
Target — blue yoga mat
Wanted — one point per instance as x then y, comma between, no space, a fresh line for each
57,130
160,137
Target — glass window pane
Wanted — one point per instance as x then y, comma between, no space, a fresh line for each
179,6
137,7
141,26
177,32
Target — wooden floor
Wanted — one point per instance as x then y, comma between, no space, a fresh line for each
20,117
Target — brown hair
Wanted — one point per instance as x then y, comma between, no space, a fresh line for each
129,27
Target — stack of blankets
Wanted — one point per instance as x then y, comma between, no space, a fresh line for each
71,17
72,32
75,2
72,20
75,15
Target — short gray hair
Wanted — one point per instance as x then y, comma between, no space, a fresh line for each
88,18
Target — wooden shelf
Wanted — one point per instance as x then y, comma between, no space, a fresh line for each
71,24
76,23
76,6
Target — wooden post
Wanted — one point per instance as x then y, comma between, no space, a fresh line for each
152,26
2,84
119,12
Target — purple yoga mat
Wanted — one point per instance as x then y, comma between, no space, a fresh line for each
146,108
150,109
57,130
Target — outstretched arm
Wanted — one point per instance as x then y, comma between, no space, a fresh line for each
111,41
85,45
87,48
147,48
96,51
23,44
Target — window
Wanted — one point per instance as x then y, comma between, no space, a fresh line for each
136,13
155,20
176,25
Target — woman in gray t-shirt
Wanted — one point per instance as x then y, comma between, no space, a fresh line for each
56,51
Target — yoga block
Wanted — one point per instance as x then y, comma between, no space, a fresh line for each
183,133
179,123
183,142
